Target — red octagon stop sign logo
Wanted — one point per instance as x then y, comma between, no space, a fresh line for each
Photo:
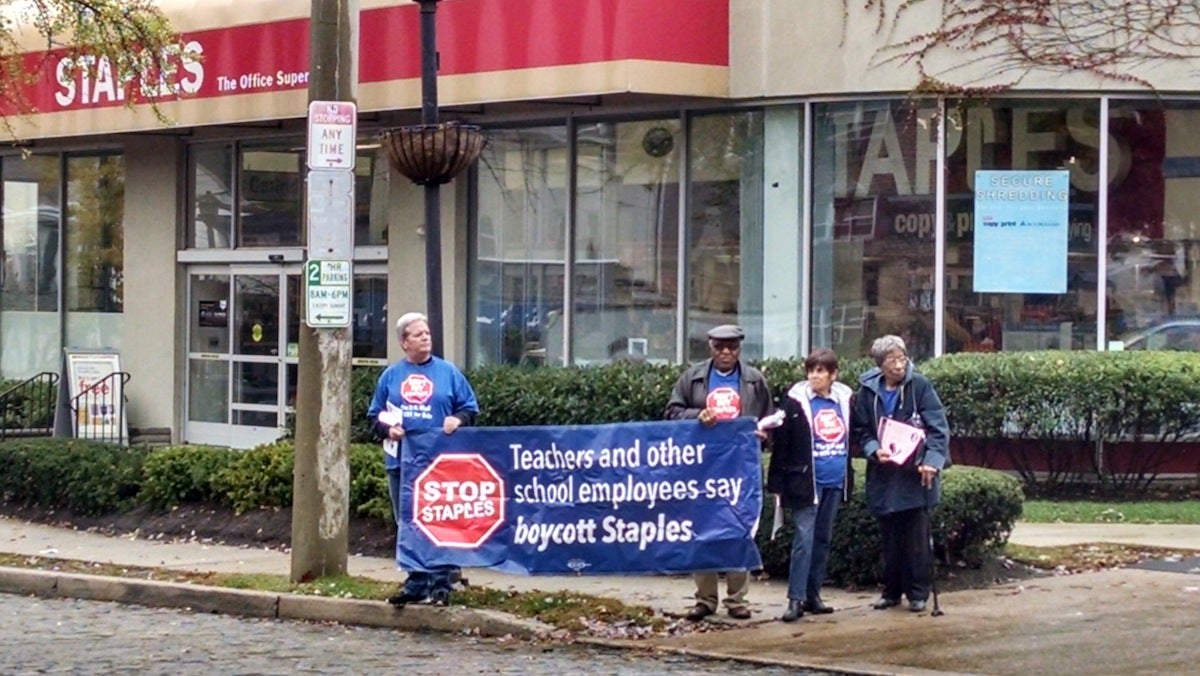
458,501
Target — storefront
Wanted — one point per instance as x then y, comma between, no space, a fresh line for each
652,169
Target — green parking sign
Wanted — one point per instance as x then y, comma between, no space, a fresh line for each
327,286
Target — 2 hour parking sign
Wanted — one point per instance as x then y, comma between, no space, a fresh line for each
327,294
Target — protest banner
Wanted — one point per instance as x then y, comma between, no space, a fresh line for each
654,497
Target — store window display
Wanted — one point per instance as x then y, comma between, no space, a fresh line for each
1153,233
1021,135
874,165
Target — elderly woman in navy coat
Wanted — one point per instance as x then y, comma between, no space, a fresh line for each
901,495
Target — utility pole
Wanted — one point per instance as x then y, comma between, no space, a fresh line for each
321,481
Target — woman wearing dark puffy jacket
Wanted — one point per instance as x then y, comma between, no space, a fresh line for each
810,471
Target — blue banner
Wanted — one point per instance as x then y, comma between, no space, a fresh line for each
656,497
1021,228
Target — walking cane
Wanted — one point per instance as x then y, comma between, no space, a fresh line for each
937,611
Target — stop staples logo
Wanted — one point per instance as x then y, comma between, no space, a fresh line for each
458,501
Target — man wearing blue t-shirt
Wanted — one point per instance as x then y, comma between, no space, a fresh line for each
418,392
721,388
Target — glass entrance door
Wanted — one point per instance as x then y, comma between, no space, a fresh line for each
242,348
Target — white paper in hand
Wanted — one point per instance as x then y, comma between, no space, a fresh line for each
391,416
901,439
771,421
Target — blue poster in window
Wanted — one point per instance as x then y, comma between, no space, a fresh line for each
1021,227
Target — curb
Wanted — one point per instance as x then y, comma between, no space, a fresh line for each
244,603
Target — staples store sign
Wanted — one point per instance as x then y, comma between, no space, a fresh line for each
238,60
272,57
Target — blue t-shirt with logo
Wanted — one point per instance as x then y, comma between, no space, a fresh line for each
424,393
830,442
724,394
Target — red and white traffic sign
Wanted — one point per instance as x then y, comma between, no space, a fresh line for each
332,128
458,501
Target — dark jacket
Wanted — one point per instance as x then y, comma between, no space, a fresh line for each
790,473
890,487
691,391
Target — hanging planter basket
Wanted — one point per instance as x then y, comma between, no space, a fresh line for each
432,154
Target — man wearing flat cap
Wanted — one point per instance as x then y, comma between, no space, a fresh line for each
722,387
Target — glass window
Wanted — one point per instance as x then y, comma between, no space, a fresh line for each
209,316
371,329
371,176
271,195
1153,234
211,174
626,251
724,230
95,250
1018,135
520,248
30,223
874,165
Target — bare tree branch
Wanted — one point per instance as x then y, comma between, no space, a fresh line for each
1010,39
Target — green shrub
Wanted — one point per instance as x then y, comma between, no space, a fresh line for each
31,406
84,476
183,474
975,517
1074,400
619,392
368,483
259,477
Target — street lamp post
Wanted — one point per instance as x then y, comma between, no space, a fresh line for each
431,154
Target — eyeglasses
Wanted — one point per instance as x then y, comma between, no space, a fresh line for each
896,360
726,345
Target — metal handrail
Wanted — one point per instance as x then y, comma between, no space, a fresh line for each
27,408
98,411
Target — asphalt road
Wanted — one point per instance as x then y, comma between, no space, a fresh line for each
86,637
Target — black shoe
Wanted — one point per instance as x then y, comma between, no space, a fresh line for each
916,606
405,597
699,612
794,612
817,607
884,603
739,613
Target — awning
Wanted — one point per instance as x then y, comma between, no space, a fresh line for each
253,60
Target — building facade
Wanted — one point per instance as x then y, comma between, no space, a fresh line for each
653,167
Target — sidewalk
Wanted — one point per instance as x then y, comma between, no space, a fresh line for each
1087,623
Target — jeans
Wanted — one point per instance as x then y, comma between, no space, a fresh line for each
829,501
419,582
803,519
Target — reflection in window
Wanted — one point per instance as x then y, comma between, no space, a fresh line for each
1153,234
95,249
520,247
271,194
211,174
371,329
725,229
30,222
873,225
1021,136
626,258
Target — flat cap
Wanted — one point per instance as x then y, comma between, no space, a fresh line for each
726,332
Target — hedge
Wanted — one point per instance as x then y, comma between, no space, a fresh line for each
973,521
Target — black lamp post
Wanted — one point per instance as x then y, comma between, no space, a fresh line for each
431,154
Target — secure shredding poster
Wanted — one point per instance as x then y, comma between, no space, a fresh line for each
1021,226
656,497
